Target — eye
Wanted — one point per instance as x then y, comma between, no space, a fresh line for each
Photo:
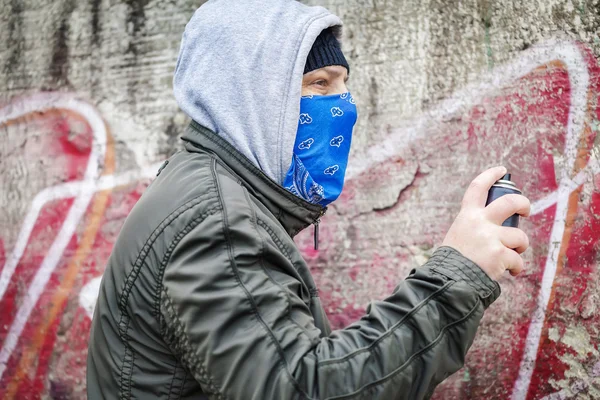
320,82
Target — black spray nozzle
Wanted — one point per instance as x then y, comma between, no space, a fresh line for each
506,177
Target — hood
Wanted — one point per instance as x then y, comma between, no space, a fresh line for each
239,74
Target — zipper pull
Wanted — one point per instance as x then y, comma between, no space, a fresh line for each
317,234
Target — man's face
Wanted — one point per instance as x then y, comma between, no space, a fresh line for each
325,81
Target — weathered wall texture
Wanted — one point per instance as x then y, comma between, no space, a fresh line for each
444,89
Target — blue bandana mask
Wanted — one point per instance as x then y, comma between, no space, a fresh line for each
322,147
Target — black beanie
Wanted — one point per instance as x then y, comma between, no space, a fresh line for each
325,51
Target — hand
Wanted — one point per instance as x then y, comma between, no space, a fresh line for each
477,232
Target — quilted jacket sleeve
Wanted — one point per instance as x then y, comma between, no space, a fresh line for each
230,322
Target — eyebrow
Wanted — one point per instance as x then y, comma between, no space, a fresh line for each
337,73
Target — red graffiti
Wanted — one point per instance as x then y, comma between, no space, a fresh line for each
541,124
538,116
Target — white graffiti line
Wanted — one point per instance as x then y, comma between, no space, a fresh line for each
81,190
593,168
401,138
37,103
17,109
63,191
579,81
89,295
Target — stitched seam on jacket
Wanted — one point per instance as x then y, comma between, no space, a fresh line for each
469,268
391,330
441,260
126,369
167,256
132,276
398,370
189,354
469,271
476,283
125,373
193,224
455,272
282,360
313,292
281,288
173,379
255,223
471,281
276,239
182,386
465,278
461,275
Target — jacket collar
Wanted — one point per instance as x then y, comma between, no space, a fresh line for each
293,213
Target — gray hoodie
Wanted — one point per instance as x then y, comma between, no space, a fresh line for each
239,74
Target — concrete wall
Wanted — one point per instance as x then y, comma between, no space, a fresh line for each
444,89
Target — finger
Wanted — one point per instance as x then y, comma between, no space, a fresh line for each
476,194
513,262
503,207
514,238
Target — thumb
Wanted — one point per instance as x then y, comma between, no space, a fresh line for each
477,192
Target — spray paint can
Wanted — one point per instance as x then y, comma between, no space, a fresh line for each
499,189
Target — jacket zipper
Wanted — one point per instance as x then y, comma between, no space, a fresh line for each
316,224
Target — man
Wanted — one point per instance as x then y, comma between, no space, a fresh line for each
206,295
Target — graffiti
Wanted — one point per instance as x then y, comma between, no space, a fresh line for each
577,387
64,208
537,114
556,85
89,295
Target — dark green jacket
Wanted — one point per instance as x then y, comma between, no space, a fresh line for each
206,296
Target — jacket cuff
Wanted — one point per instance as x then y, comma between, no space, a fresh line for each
452,264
